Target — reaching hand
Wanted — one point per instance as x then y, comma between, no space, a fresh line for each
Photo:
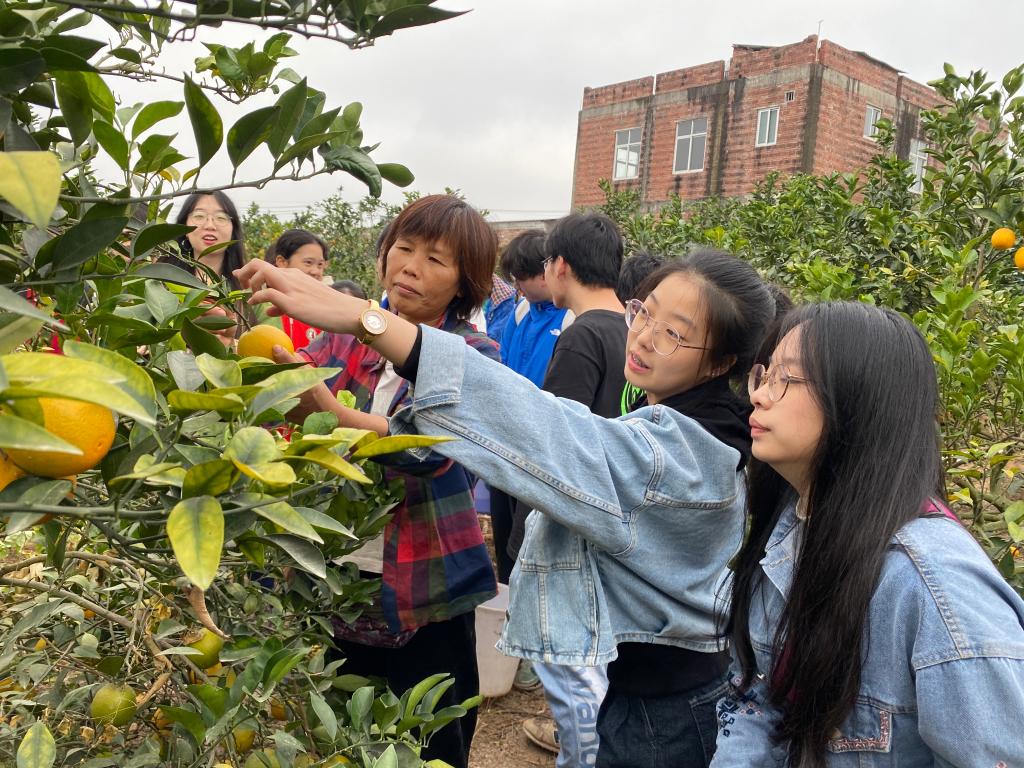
296,294
315,399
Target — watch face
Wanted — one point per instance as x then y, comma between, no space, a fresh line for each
374,322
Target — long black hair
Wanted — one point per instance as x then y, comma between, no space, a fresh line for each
876,464
290,241
234,254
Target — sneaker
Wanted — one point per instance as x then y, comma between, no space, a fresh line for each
526,679
542,732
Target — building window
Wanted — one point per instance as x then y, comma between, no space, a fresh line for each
691,138
790,95
918,162
871,118
767,126
627,154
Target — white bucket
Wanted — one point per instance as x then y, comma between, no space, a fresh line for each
497,671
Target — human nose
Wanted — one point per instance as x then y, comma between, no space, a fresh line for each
759,394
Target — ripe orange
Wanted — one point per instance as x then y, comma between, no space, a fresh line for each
259,341
243,735
277,710
1018,258
88,426
114,704
9,471
1003,238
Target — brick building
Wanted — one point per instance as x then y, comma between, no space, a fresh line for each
717,129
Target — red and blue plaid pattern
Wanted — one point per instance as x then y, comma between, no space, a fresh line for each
436,564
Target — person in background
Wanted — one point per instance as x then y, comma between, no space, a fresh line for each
634,271
304,251
351,287
868,627
498,307
204,253
435,262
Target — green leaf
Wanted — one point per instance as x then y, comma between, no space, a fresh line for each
291,105
286,385
30,181
37,749
153,113
356,163
152,235
249,132
220,373
15,331
170,274
19,67
190,402
324,522
304,146
410,16
99,94
211,478
75,105
191,721
396,444
89,391
65,61
16,432
16,305
328,459
85,240
113,141
137,382
200,341
206,123
283,514
324,713
305,555
195,528
272,473
321,423
162,304
251,445
396,173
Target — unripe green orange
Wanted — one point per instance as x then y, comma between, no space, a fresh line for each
114,704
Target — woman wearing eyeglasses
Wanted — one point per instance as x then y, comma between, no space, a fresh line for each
870,628
215,220
650,506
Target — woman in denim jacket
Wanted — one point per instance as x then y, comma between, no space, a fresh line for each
869,627
638,516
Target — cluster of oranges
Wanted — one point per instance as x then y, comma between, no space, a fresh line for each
1003,239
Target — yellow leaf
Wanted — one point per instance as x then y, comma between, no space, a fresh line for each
31,183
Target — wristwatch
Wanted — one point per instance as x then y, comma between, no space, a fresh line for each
374,321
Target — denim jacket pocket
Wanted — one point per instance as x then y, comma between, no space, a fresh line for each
867,729
550,546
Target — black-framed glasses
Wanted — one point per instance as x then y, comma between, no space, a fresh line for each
664,338
777,378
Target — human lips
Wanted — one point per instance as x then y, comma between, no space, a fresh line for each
403,288
756,428
636,364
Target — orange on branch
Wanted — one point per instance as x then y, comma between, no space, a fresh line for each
260,340
1004,238
87,426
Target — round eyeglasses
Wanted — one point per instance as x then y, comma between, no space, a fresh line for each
664,338
201,217
777,378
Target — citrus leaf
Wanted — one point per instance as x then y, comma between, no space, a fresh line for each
283,514
206,123
30,181
19,68
291,104
75,105
397,443
112,140
137,382
195,529
189,402
37,749
16,432
85,240
152,235
324,713
355,162
153,113
15,304
146,468
251,445
88,391
273,473
305,555
220,373
170,274
211,478
249,132
25,367
200,341
287,384
304,146
318,519
326,458
15,330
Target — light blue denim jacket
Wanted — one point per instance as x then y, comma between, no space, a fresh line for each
943,679
657,498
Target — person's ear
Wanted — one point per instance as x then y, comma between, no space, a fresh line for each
281,261
722,367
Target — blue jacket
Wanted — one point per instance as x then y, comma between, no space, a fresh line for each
526,346
645,511
943,677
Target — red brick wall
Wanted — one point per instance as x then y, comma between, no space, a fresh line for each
595,153
678,79
617,92
747,62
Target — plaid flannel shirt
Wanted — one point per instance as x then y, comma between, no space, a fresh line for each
436,564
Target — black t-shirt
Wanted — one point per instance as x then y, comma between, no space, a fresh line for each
588,361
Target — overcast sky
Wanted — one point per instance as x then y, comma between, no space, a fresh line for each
488,102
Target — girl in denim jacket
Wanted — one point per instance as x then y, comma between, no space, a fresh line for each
637,517
869,629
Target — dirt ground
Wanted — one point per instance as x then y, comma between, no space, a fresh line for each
499,741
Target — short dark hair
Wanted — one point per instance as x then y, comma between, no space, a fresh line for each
523,257
457,223
290,241
234,254
351,287
591,244
634,271
739,306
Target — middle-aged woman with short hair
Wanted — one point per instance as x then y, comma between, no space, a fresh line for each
435,261
870,628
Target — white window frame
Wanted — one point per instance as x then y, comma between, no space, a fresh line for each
871,125
627,147
689,152
918,157
769,139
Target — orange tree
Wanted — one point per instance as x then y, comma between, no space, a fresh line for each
931,253
165,560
